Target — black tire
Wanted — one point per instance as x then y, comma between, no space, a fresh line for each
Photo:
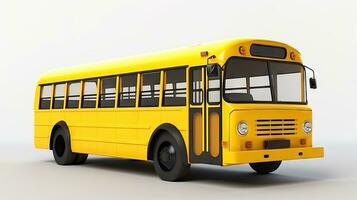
170,159
61,148
265,167
134,160
80,159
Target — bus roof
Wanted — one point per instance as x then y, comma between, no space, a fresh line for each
155,61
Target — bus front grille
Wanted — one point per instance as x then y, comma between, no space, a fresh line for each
271,127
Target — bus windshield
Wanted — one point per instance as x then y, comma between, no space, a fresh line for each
253,80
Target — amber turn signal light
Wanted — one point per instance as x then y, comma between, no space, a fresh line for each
248,144
302,141
292,56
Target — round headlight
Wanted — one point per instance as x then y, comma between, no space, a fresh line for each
307,127
242,128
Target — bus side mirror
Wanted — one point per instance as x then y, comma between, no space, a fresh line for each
212,69
312,80
313,84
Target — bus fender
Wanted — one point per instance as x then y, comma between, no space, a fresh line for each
63,126
173,131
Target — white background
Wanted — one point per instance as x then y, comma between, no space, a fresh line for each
38,36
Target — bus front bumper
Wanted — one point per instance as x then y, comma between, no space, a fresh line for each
242,157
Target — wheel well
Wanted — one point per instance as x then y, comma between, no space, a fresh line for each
152,141
171,129
58,125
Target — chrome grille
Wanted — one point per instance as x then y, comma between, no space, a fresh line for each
271,127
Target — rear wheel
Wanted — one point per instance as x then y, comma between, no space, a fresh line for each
265,167
170,161
61,148
62,152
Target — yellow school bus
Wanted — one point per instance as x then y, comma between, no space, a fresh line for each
239,101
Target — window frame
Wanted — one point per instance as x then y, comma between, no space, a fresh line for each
152,91
202,90
43,98
270,82
165,82
86,95
215,89
116,77
69,96
54,95
303,78
120,84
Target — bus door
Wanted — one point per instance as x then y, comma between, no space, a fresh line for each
205,112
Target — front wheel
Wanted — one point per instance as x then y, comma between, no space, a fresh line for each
80,159
265,167
170,160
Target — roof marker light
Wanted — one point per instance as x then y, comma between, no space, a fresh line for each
242,50
204,53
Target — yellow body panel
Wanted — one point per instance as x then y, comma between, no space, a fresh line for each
235,151
125,132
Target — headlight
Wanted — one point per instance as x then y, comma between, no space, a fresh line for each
242,128
307,127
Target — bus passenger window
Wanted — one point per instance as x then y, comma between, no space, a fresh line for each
107,92
45,100
150,89
196,87
58,100
73,95
89,93
175,87
127,91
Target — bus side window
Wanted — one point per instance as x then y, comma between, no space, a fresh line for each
58,99
89,93
73,95
150,89
107,92
175,87
45,100
127,92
